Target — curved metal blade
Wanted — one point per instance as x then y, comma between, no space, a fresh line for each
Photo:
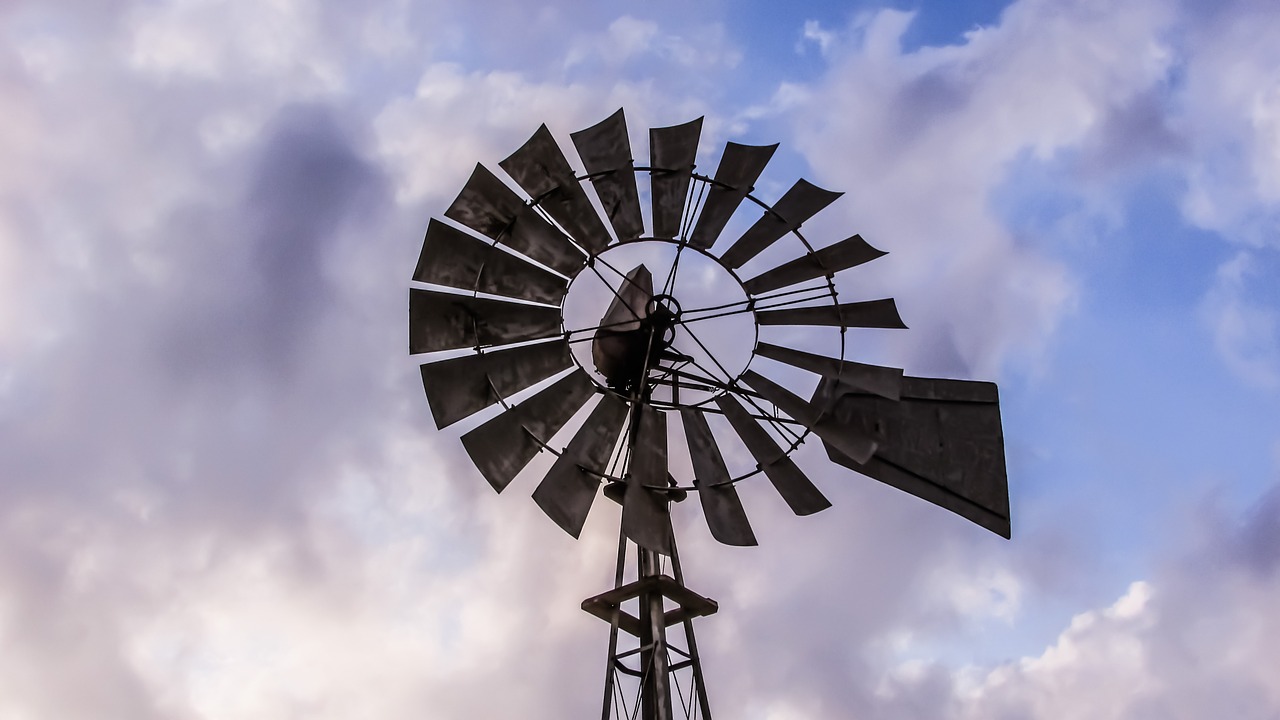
672,151
645,513
725,515
455,259
605,149
569,488
850,440
445,321
501,447
462,386
799,493
876,379
941,442
540,168
828,261
866,314
739,168
489,207
800,203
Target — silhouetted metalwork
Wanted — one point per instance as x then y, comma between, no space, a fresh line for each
492,334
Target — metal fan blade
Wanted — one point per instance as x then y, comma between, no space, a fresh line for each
501,447
672,152
455,259
739,168
645,515
942,442
725,515
445,321
605,149
462,386
489,207
828,261
850,440
799,493
800,203
876,379
569,488
540,168
867,314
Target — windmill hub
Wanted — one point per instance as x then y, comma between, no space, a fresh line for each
680,320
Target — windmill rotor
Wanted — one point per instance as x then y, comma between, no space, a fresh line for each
497,323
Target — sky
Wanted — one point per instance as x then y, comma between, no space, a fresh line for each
222,494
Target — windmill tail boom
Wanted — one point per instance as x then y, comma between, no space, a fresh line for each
942,442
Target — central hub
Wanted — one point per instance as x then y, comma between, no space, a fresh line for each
663,316
652,338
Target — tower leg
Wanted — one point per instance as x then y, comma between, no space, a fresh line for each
641,675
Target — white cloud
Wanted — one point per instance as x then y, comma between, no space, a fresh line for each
221,494
1245,333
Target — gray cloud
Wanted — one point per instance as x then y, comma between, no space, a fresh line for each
222,496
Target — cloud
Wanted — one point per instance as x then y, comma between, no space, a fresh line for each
222,496
1245,333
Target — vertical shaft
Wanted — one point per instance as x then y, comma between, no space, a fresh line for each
656,689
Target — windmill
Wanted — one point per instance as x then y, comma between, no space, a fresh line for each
603,393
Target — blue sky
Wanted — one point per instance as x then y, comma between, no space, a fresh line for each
221,492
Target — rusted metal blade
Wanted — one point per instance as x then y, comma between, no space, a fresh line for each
876,379
799,493
828,261
735,177
797,205
851,441
942,442
672,152
569,488
489,207
540,168
446,321
501,447
725,515
646,519
462,386
866,314
605,149
453,258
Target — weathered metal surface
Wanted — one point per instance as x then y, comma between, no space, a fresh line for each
502,446
622,343
876,379
942,442
739,168
489,207
672,152
828,261
541,169
852,441
462,386
797,205
605,148
645,517
865,314
445,321
689,604
569,488
797,490
453,258
721,506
